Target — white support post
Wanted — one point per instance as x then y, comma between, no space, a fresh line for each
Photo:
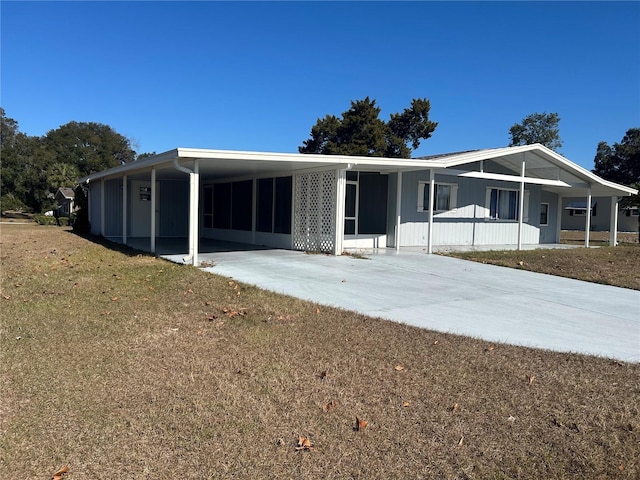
194,190
587,222
559,211
613,222
124,209
153,210
398,208
521,207
432,195
102,207
341,187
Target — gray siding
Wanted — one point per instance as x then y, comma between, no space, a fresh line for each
95,210
467,223
113,208
600,222
548,234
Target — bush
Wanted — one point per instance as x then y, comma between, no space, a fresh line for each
50,220
11,202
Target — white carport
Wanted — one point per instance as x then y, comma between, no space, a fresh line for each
317,193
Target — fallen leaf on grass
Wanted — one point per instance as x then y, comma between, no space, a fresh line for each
113,299
455,407
531,378
406,404
490,348
304,443
399,368
330,405
460,441
621,467
361,424
60,473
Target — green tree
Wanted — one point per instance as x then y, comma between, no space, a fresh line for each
144,155
620,163
90,146
540,128
24,160
360,131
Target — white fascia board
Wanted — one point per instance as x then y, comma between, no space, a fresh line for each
147,163
510,178
327,160
546,153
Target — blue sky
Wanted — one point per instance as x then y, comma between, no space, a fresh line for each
257,76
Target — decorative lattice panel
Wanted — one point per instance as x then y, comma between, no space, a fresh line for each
314,222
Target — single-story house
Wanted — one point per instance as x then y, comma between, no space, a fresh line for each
330,203
65,198
574,212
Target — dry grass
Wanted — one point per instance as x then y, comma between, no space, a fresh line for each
125,366
618,266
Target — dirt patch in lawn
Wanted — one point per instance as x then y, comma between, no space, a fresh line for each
121,365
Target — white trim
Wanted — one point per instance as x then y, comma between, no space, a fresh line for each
613,222
341,191
296,161
453,195
432,196
398,208
488,217
510,178
587,225
521,205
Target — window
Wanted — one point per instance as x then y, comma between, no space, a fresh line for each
544,214
503,204
273,209
445,197
208,206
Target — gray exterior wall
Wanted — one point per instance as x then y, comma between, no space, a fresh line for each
467,224
95,212
600,222
113,208
549,233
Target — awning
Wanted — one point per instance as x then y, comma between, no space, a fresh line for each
579,205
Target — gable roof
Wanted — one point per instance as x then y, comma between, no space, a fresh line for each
543,167
67,193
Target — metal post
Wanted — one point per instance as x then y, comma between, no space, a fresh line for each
432,195
398,208
587,222
521,207
613,222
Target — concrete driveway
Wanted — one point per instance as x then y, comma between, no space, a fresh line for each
449,295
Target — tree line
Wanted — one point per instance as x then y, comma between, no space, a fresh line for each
34,167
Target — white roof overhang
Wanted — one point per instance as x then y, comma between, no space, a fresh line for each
543,167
